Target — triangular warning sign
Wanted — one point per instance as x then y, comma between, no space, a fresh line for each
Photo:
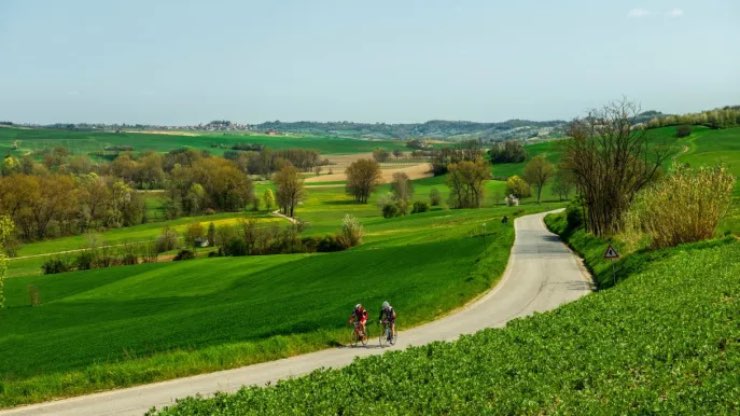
610,253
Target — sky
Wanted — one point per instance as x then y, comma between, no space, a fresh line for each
188,62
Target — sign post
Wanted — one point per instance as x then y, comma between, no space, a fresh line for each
612,255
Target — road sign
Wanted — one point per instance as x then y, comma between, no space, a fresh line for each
610,253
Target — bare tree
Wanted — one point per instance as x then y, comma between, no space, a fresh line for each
610,160
363,176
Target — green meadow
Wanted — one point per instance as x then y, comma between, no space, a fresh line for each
135,324
91,141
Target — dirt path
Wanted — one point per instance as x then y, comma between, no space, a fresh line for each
418,171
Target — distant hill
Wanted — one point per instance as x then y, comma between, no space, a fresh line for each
434,129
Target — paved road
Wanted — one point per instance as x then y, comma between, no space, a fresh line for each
541,275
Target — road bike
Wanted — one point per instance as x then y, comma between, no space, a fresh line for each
358,336
387,336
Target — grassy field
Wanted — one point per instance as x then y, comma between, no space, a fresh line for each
707,147
136,324
91,141
664,340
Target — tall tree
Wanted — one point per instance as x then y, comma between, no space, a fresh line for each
363,176
289,184
610,159
537,172
466,183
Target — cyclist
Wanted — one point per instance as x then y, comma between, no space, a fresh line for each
388,316
359,318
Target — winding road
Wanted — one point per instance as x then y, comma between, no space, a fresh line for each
542,274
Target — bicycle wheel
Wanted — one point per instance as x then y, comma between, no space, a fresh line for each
353,339
383,337
364,338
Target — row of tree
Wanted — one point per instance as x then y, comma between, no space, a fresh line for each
717,119
57,204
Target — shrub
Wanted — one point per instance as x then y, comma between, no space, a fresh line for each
352,232
435,197
85,260
574,216
184,255
683,131
193,233
518,187
390,210
130,254
419,206
235,247
56,265
329,243
310,244
510,151
683,207
167,240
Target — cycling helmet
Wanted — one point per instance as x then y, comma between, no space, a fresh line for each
358,306
386,305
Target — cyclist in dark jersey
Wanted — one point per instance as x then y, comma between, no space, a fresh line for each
388,316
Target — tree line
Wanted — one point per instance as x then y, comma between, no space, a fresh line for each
717,119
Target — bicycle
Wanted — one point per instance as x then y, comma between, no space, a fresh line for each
387,336
356,336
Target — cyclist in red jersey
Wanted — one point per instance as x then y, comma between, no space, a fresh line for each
359,318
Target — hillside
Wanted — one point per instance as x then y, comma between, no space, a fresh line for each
664,340
435,129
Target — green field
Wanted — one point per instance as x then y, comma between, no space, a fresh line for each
663,341
91,141
136,324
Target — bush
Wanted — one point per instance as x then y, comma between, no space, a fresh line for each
681,208
85,260
574,216
390,210
167,240
435,197
310,244
419,206
184,255
352,231
235,247
328,244
56,265
683,131
510,151
518,187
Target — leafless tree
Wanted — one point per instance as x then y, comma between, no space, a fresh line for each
610,160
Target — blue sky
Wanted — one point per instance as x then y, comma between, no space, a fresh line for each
183,62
